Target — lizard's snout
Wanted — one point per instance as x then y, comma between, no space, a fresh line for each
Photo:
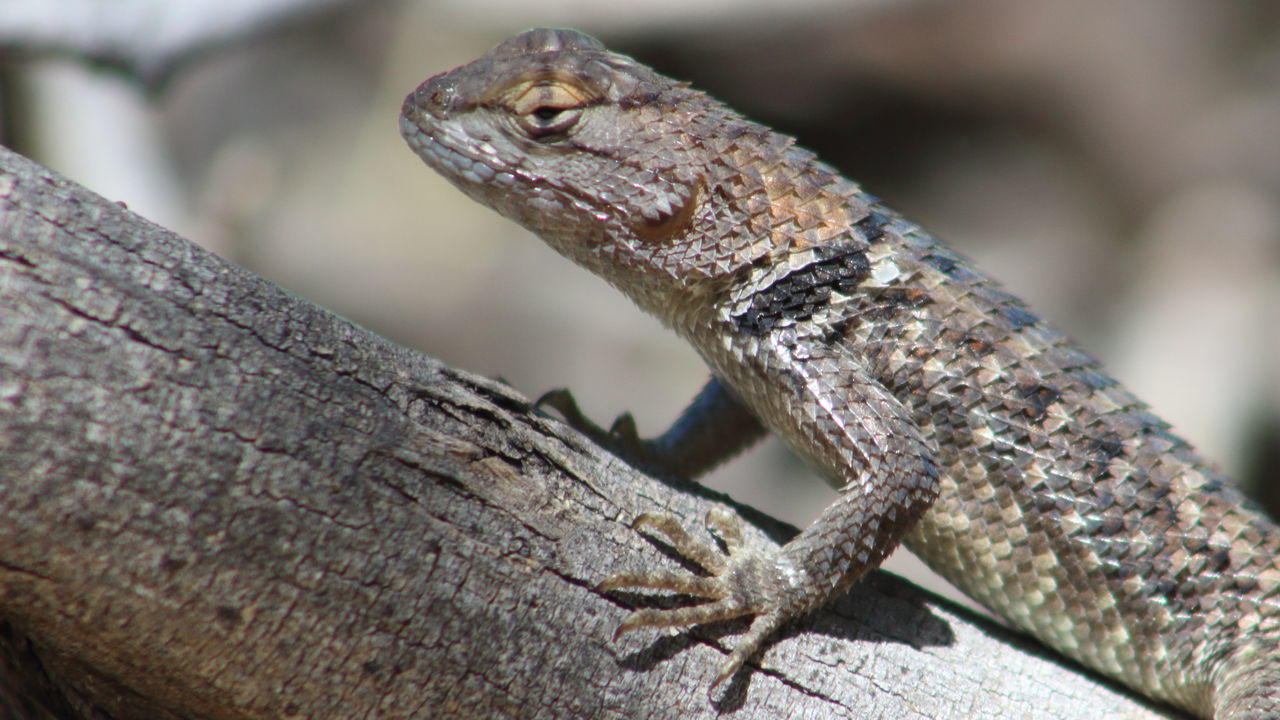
435,97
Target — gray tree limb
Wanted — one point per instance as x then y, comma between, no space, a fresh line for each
148,39
220,501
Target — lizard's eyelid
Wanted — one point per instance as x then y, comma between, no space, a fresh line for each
547,121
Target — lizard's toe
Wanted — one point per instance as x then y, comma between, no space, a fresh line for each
738,583
622,438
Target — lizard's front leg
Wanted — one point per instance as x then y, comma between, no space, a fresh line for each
892,480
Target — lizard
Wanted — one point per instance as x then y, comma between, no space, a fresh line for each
949,416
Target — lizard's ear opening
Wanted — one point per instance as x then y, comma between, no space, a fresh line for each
670,220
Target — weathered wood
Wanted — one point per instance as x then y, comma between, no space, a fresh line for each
220,501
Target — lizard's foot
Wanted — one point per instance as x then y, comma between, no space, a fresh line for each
740,582
621,437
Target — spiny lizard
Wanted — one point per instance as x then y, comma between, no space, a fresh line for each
949,416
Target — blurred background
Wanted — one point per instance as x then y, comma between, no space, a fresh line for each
1114,162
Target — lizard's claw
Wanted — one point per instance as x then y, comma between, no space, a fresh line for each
740,582
621,437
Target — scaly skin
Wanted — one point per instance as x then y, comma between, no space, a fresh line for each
949,416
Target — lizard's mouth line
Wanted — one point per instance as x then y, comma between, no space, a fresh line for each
434,147
449,160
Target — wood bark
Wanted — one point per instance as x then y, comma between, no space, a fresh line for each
149,39
220,501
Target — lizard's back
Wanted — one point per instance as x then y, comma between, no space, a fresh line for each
1066,505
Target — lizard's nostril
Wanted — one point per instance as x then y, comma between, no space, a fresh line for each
435,95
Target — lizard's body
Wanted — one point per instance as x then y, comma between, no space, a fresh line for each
949,415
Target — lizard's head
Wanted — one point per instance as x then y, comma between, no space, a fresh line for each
604,158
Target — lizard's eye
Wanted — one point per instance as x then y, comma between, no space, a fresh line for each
546,110
547,121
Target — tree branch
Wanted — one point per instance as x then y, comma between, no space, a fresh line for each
221,501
